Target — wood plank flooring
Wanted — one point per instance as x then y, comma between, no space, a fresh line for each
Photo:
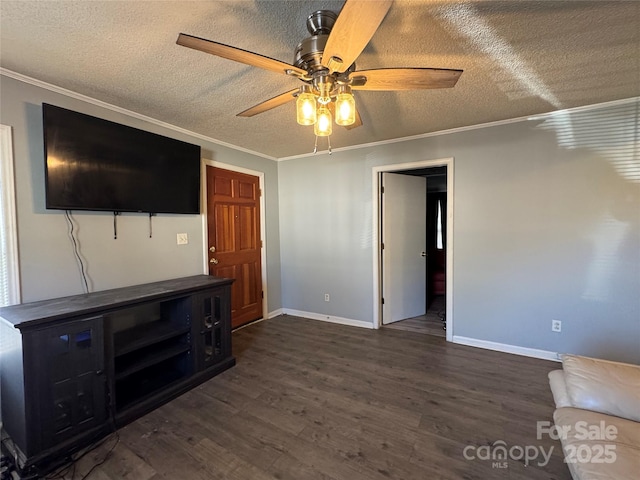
430,323
320,401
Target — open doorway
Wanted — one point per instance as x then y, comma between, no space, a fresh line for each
435,294
431,320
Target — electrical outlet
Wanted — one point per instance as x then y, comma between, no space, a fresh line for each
556,326
182,238
326,297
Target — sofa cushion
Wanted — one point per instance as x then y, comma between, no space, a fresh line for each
599,446
559,388
603,386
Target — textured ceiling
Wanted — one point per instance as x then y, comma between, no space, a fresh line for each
519,58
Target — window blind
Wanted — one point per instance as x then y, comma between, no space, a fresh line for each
9,279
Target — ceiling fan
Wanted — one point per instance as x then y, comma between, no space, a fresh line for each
324,62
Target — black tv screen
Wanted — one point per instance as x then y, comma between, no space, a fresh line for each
95,164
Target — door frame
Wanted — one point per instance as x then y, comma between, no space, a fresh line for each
205,233
377,234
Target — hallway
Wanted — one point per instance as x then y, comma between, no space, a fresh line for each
431,324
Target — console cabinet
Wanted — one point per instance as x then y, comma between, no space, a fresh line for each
211,328
75,368
69,379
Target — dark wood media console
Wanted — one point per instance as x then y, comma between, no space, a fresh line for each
74,369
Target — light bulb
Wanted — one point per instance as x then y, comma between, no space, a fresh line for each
323,127
306,107
345,107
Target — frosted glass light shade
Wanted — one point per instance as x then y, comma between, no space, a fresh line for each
323,127
345,108
306,108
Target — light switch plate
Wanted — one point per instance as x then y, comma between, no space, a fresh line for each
183,238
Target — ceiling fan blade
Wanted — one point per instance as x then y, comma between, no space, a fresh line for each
357,22
404,78
269,104
238,55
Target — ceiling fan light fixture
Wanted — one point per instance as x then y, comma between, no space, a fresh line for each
325,63
306,107
323,84
345,107
323,127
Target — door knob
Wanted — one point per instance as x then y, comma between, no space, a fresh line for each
423,254
212,249
214,261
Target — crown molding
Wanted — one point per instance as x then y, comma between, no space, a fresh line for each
85,98
540,116
54,88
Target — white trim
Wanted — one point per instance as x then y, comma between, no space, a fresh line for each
376,199
275,313
449,277
9,201
503,347
327,318
54,88
263,228
594,106
130,113
540,116
260,320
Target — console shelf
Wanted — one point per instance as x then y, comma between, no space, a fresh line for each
148,358
144,384
144,335
74,367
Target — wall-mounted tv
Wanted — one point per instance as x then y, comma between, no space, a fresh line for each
95,164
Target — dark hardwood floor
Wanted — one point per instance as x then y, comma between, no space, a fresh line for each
314,400
430,323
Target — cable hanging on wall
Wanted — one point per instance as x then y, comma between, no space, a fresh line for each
76,249
115,225
151,215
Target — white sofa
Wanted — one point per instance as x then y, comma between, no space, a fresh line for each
597,417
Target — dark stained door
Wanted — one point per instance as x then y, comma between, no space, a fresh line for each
233,222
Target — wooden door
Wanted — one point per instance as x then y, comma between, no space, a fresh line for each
233,223
404,236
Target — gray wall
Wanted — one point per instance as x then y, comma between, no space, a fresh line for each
47,264
546,226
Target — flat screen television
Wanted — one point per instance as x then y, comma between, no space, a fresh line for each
95,164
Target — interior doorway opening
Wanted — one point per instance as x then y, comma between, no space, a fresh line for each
432,317
437,294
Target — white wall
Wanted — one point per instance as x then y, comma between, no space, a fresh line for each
547,226
47,264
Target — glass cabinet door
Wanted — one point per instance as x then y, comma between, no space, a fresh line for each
70,364
214,335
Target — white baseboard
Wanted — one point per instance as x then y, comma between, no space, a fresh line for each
275,313
249,324
503,347
471,342
328,318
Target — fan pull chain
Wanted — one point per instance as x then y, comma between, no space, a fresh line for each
315,146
